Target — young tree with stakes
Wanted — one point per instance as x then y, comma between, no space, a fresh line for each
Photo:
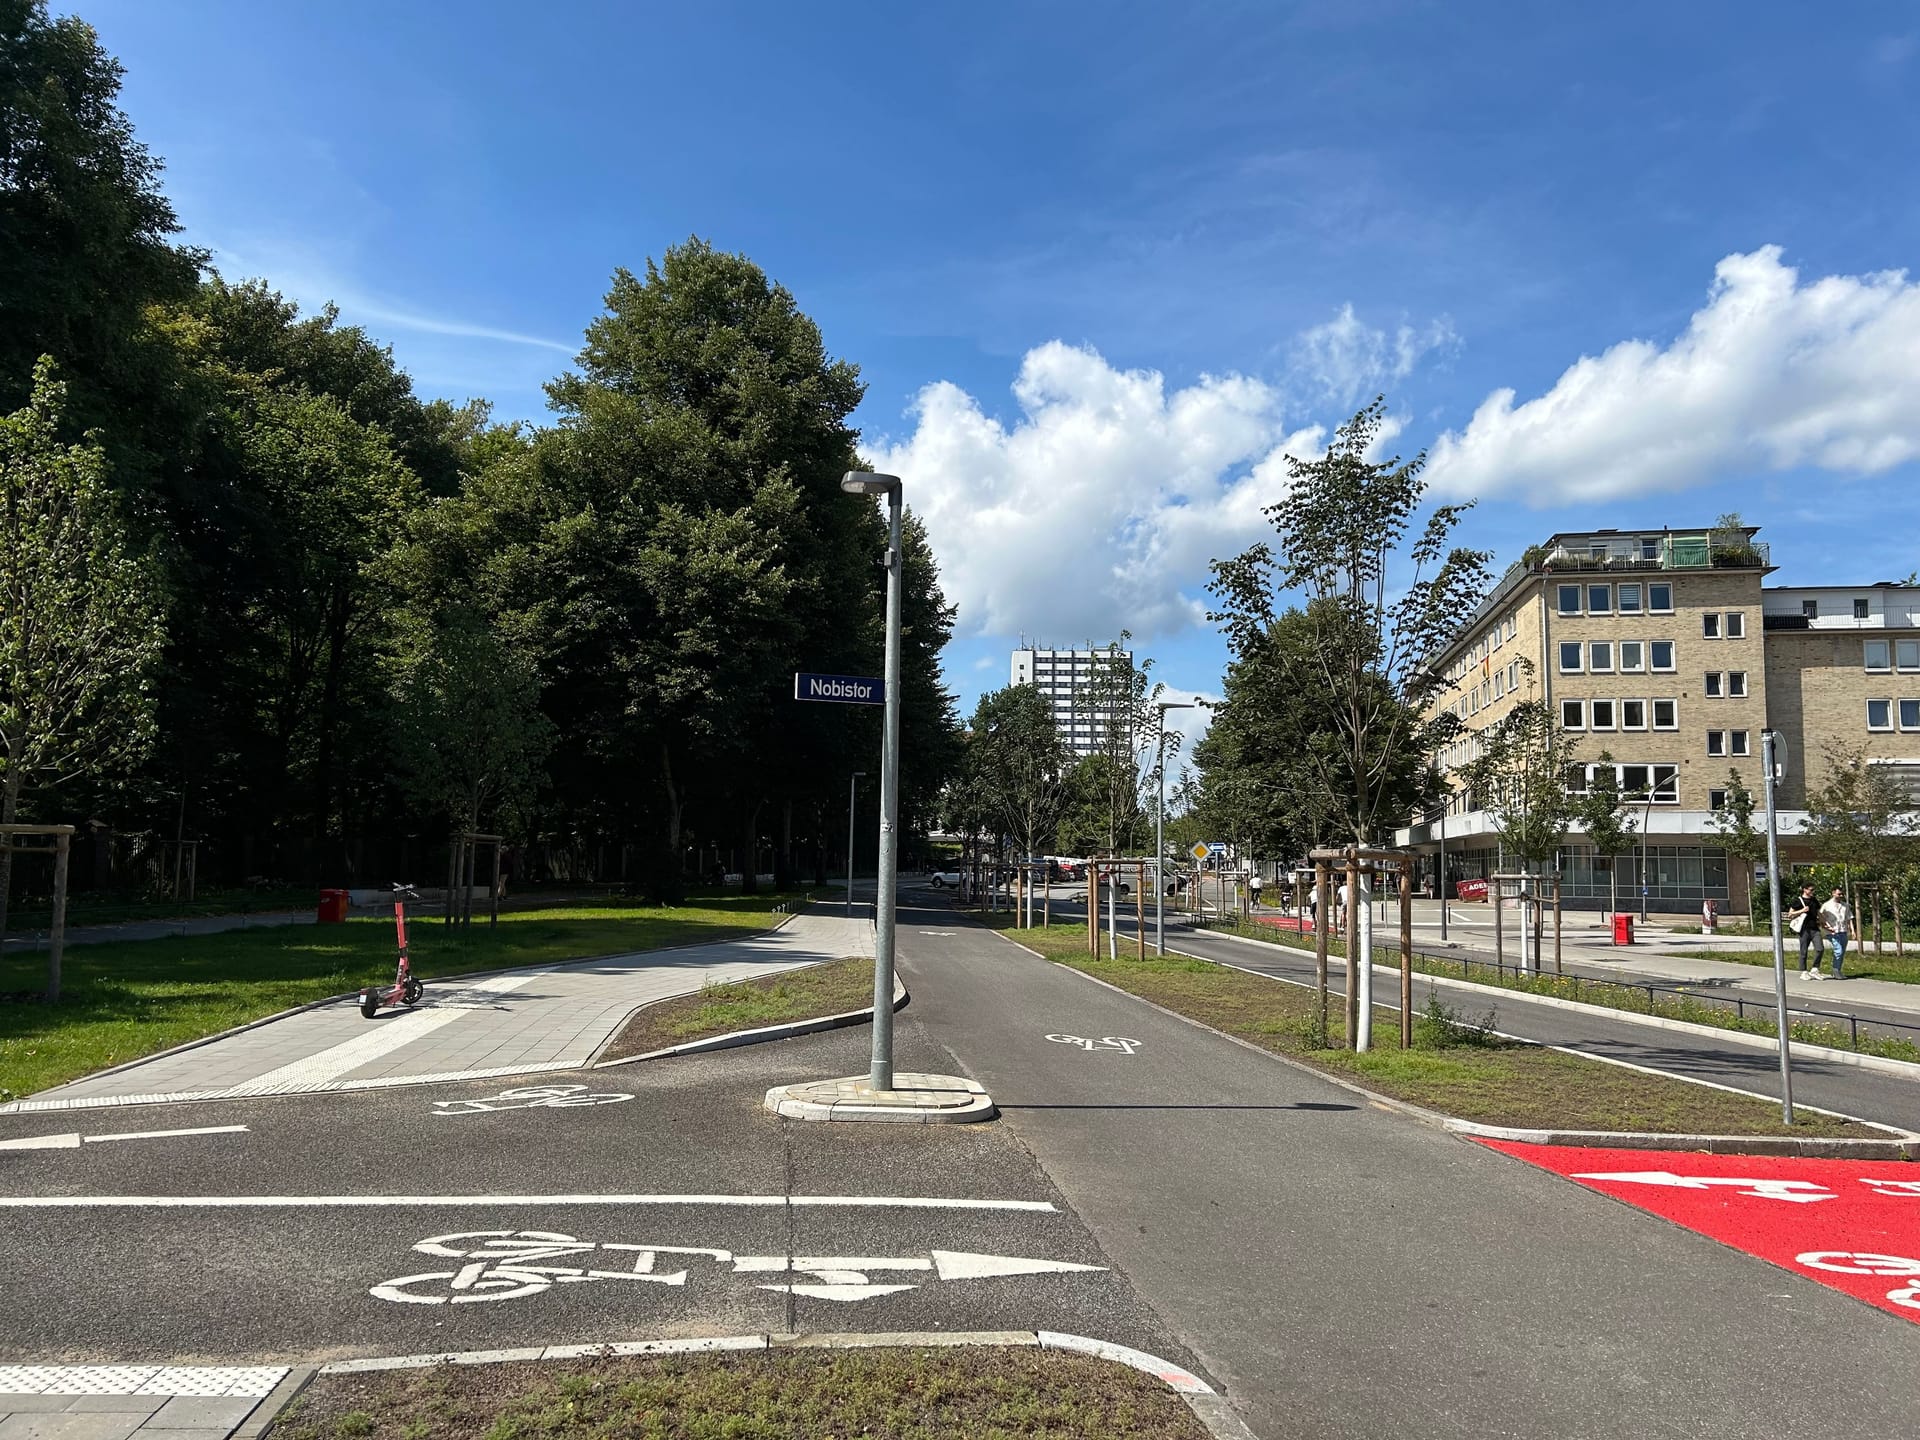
1606,813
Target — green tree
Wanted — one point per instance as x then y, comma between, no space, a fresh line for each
1606,814
1743,841
1857,817
467,723
1374,632
1018,765
79,627
1520,779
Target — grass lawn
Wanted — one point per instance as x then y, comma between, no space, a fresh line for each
1451,1068
830,989
122,1000
1862,963
880,1394
1614,996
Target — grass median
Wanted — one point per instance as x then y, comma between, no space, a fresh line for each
1454,1066
1672,1004
959,1393
811,993
125,999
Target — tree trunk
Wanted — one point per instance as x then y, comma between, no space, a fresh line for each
673,807
783,867
338,620
9,807
750,851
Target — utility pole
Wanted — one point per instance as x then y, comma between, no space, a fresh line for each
1160,827
1769,740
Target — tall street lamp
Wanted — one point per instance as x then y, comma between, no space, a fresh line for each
1160,825
1774,769
853,789
880,1071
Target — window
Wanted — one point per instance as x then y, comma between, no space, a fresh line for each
1859,607
1879,715
1570,654
1737,742
1513,676
1666,784
1710,625
1906,654
1810,609
1660,654
1716,799
1736,624
1712,691
1600,657
1910,714
1649,547
1601,712
1633,656
1573,715
1736,684
1660,599
1499,683
1634,779
1629,599
1633,714
1569,599
1879,654
1666,715
1716,742
1599,599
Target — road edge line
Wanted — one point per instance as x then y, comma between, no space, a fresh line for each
1206,1404
733,1038
1453,1124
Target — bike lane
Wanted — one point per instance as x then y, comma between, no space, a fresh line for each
1343,1270
1851,1224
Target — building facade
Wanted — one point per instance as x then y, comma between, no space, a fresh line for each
1665,655
1080,686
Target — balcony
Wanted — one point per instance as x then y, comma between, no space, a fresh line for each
1701,551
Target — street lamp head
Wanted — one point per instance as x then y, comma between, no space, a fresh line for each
1166,705
865,482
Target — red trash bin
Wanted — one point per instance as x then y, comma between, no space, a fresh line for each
1623,929
333,906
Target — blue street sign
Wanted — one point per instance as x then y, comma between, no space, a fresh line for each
1216,847
840,689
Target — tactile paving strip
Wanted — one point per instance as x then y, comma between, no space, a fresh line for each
240,1381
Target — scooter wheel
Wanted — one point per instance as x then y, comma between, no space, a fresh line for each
368,1004
413,991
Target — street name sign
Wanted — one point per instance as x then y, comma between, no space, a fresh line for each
840,689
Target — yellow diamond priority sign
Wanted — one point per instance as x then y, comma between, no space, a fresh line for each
1199,851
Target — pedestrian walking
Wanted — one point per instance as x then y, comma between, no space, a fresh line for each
1804,921
1835,918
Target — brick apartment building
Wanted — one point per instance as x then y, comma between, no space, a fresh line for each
1669,651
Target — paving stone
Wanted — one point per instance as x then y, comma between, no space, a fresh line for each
200,1412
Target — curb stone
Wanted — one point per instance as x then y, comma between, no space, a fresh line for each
734,1038
1789,1145
1905,1069
1206,1403
352,996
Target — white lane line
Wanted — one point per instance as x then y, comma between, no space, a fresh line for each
74,1142
317,1202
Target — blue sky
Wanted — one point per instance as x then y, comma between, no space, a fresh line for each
1103,265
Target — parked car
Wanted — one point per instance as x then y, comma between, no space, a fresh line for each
946,879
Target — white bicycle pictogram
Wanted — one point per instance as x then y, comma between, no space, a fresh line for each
1106,1042
531,1097
1866,1262
511,1264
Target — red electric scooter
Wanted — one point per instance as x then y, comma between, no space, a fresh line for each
405,990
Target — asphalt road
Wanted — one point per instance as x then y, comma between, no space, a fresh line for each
1336,1269
1345,1271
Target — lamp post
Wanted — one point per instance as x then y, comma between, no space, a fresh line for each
1160,823
880,1071
853,789
1769,741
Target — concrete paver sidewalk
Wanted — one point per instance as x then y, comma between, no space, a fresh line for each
116,1402
540,1018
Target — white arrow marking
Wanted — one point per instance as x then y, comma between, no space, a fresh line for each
1796,1192
836,1292
937,932
959,1265
74,1142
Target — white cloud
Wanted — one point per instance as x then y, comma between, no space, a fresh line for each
1101,506
1769,374
1347,360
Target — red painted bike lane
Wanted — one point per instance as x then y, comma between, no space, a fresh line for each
1851,1224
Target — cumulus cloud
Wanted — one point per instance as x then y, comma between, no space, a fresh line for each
1770,374
1346,360
1099,508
